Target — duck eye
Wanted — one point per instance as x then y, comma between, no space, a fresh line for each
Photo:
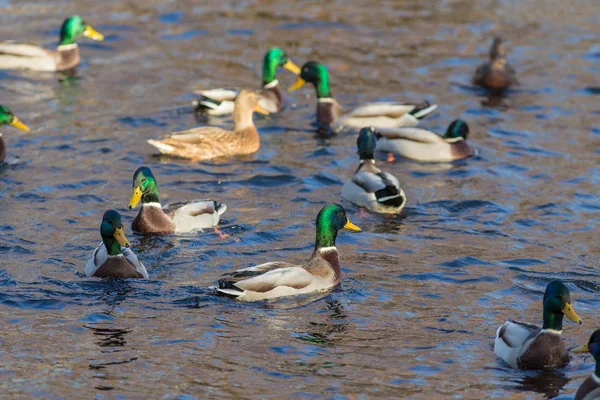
143,180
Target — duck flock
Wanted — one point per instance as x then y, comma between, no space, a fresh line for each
382,126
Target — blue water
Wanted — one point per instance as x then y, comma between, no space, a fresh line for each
422,293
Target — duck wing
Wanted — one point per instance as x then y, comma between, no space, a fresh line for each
23,50
392,110
265,277
132,258
384,185
411,134
196,214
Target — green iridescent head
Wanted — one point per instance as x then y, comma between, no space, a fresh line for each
112,234
275,59
317,74
75,26
557,302
144,188
8,118
457,129
367,143
330,220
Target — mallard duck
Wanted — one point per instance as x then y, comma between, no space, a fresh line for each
528,346
496,74
113,258
221,101
590,388
8,118
370,187
209,142
66,56
423,145
277,279
180,217
331,114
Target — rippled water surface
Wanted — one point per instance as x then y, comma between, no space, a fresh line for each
422,293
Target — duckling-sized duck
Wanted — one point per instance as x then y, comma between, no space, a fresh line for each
277,279
8,118
423,145
331,114
528,346
221,101
590,388
370,187
207,142
113,258
496,75
180,217
35,58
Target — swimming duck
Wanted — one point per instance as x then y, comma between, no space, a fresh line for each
528,346
221,101
331,114
423,145
370,187
496,75
209,142
180,217
8,118
113,258
277,279
590,388
66,56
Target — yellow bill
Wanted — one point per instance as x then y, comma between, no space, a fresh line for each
290,66
92,33
299,83
261,110
120,236
16,122
135,197
350,226
581,349
570,313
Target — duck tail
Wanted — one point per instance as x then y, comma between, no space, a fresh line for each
423,110
226,291
162,147
220,208
206,103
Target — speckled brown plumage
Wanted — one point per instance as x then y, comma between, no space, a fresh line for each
206,143
496,75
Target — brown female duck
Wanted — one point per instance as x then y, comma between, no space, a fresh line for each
209,142
496,75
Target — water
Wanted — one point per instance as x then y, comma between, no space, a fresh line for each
422,293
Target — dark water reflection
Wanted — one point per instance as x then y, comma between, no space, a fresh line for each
422,293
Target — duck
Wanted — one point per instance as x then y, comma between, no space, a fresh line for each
330,113
424,145
527,346
221,101
278,279
590,388
369,187
113,258
35,58
180,217
8,118
496,75
207,142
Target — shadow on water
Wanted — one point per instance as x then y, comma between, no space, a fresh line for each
547,382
